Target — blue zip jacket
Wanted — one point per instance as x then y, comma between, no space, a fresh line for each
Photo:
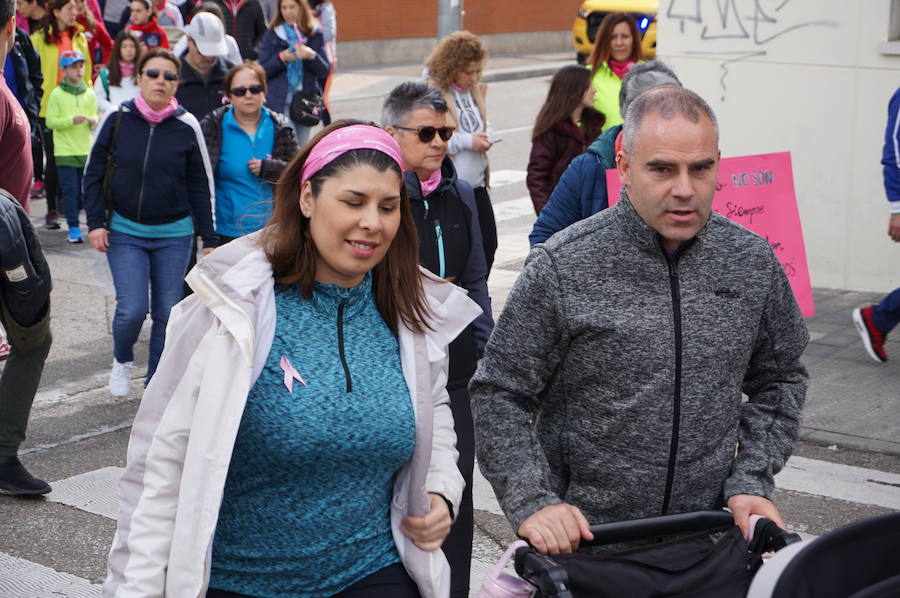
315,70
162,172
891,157
581,191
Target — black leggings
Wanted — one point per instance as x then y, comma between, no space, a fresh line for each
458,545
487,224
51,180
390,582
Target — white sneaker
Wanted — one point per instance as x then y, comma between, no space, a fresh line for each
120,378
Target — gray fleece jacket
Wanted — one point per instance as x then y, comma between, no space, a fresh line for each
613,380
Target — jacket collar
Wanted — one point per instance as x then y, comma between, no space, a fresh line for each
230,279
448,179
645,236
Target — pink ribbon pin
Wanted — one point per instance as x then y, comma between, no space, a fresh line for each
290,374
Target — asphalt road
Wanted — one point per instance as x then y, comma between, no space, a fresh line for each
79,433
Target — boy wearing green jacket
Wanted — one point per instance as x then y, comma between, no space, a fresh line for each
71,114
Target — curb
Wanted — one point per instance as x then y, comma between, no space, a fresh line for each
861,443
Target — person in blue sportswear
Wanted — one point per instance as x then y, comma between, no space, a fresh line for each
612,386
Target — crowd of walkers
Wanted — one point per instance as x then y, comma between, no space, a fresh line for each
319,305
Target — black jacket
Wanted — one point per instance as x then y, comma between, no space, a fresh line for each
199,96
28,74
24,274
246,25
162,172
450,246
283,149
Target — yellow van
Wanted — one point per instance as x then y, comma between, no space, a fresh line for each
592,12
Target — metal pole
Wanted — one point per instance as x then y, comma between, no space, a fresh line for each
450,14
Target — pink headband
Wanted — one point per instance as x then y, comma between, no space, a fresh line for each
345,139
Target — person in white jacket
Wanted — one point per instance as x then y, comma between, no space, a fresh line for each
116,83
297,439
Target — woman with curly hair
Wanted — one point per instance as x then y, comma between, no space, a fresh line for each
454,67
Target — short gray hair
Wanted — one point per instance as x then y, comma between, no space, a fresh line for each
643,76
669,101
407,97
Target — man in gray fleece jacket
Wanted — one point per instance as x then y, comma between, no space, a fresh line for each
611,388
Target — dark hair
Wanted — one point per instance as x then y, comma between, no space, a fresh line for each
210,7
603,41
306,22
454,53
115,73
568,86
253,67
49,25
7,11
396,280
409,96
159,53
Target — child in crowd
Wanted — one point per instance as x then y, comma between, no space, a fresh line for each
71,114
143,21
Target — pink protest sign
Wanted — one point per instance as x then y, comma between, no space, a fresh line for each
758,193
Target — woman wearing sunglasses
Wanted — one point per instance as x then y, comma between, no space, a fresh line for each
152,153
450,246
296,440
249,146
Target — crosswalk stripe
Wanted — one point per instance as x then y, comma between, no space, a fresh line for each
512,209
20,578
93,491
843,482
501,178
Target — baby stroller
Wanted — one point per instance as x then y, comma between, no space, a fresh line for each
698,555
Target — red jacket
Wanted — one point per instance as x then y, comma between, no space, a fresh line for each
550,156
152,35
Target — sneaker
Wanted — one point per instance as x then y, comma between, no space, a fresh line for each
15,479
38,191
120,378
872,338
51,221
75,235
4,350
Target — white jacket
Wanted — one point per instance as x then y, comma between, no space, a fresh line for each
217,342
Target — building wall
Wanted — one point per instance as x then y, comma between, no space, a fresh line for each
401,19
810,79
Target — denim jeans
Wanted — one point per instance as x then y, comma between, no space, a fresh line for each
139,265
886,314
70,191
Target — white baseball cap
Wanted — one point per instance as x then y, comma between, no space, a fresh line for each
208,33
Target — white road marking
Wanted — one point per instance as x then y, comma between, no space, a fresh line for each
498,134
20,578
513,208
500,178
94,491
843,482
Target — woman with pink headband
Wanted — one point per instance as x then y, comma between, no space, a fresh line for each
297,439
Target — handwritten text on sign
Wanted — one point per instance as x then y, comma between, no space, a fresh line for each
758,193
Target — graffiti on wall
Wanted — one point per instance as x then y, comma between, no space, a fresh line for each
749,25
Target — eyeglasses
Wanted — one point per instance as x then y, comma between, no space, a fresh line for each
155,73
426,134
242,91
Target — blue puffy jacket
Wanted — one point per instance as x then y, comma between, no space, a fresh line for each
315,70
581,191
162,172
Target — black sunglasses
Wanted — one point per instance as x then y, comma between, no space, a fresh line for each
155,73
242,91
426,134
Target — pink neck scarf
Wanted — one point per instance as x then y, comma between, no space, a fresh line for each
620,69
341,141
431,183
126,68
154,116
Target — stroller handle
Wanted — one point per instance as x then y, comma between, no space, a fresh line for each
665,525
